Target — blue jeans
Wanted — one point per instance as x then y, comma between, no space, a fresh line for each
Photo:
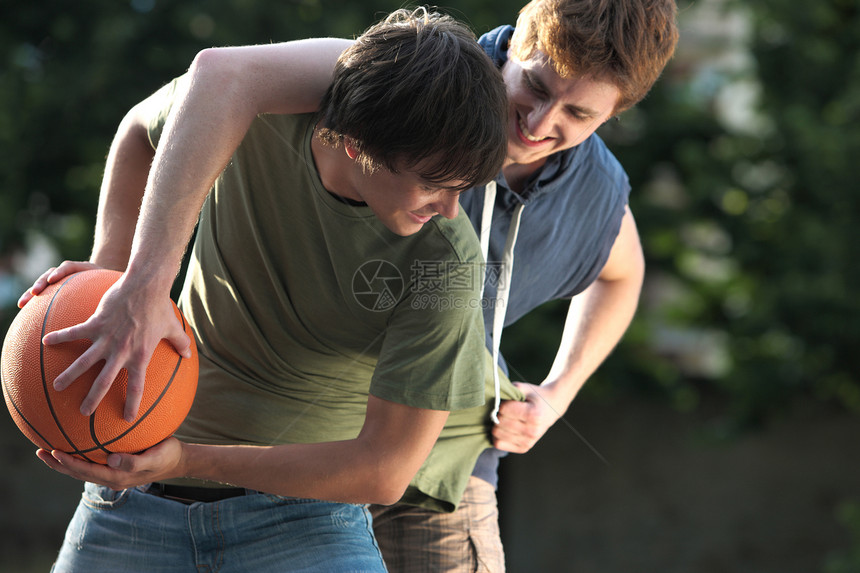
132,531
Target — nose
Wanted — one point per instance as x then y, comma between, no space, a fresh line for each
448,205
540,120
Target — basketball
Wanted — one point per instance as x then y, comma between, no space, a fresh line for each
52,420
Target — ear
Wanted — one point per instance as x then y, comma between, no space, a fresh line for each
349,147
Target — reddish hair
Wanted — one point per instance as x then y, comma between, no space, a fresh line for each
624,42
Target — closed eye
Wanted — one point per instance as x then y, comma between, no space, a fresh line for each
536,87
533,86
578,115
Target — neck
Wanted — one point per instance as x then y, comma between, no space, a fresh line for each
517,174
335,169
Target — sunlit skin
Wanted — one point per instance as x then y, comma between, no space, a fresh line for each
549,113
402,201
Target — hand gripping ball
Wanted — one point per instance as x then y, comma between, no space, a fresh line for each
52,420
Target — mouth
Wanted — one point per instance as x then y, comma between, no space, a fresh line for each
421,219
526,137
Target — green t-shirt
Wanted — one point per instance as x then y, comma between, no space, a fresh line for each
226,292
303,304
443,477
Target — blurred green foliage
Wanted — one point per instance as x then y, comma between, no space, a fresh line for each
747,225
784,194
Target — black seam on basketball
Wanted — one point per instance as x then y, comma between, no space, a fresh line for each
21,414
42,366
99,445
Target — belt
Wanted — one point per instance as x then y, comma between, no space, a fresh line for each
188,494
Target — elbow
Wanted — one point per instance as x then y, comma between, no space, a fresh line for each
387,491
134,127
385,483
214,67
227,72
209,58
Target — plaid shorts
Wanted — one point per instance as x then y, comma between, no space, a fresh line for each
417,540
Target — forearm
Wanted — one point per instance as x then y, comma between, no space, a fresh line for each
596,321
345,471
122,189
150,200
193,149
598,317
375,467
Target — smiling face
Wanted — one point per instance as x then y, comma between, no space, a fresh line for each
549,113
404,201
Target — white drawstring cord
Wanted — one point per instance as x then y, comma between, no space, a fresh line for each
504,286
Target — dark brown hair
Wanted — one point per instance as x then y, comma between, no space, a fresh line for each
416,88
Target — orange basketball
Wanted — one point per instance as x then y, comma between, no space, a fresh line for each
52,420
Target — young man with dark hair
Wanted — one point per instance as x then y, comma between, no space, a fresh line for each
305,390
